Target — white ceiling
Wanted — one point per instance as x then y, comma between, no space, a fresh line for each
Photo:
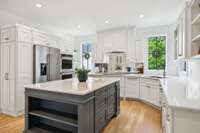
67,15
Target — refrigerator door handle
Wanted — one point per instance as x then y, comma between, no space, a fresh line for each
48,67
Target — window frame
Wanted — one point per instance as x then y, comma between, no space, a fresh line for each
166,55
81,52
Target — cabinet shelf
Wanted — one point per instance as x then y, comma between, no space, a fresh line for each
61,117
196,38
196,20
43,128
196,57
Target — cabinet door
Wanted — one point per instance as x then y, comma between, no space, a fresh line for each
99,49
122,90
120,40
107,41
132,87
100,109
40,39
146,93
24,72
7,77
24,35
155,95
8,35
139,51
181,33
111,102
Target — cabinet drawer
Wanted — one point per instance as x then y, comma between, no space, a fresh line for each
100,92
111,91
152,82
8,35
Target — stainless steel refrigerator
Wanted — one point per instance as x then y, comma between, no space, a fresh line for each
46,64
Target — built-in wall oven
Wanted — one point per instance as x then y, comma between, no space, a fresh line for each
66,75
66,66
66,62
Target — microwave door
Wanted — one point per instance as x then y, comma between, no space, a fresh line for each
54,64
40,60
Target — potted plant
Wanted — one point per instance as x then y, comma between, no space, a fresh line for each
82,74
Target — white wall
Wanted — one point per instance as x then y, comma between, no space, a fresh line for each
142,35
10,19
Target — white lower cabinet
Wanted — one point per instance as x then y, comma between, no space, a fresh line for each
150,91
179,120
132,87
145,93
144,89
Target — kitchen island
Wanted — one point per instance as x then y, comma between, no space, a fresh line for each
67,106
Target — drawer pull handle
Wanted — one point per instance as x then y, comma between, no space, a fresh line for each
6,76
168,117
6,38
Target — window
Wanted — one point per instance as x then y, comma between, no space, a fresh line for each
156,53
86,56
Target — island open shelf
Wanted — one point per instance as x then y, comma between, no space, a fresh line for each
55,112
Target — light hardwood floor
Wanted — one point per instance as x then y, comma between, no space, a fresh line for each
135,117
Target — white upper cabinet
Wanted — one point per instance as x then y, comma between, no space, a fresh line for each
24,35
112,40
8,35
139,51
107,40
195,28
17,33
66,46
181,36
44,39
120,40
40,38
187,32
99,48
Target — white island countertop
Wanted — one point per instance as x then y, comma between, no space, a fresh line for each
73,86
181,93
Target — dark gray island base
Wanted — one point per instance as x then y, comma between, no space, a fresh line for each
55,112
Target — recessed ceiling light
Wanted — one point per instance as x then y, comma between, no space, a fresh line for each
141,16
79,26
38,5
107,21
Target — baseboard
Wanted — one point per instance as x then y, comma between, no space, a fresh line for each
11,113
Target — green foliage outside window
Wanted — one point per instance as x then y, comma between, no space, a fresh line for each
156,53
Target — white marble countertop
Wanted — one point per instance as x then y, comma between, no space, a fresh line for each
73,86
181,93
128,74
116,73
